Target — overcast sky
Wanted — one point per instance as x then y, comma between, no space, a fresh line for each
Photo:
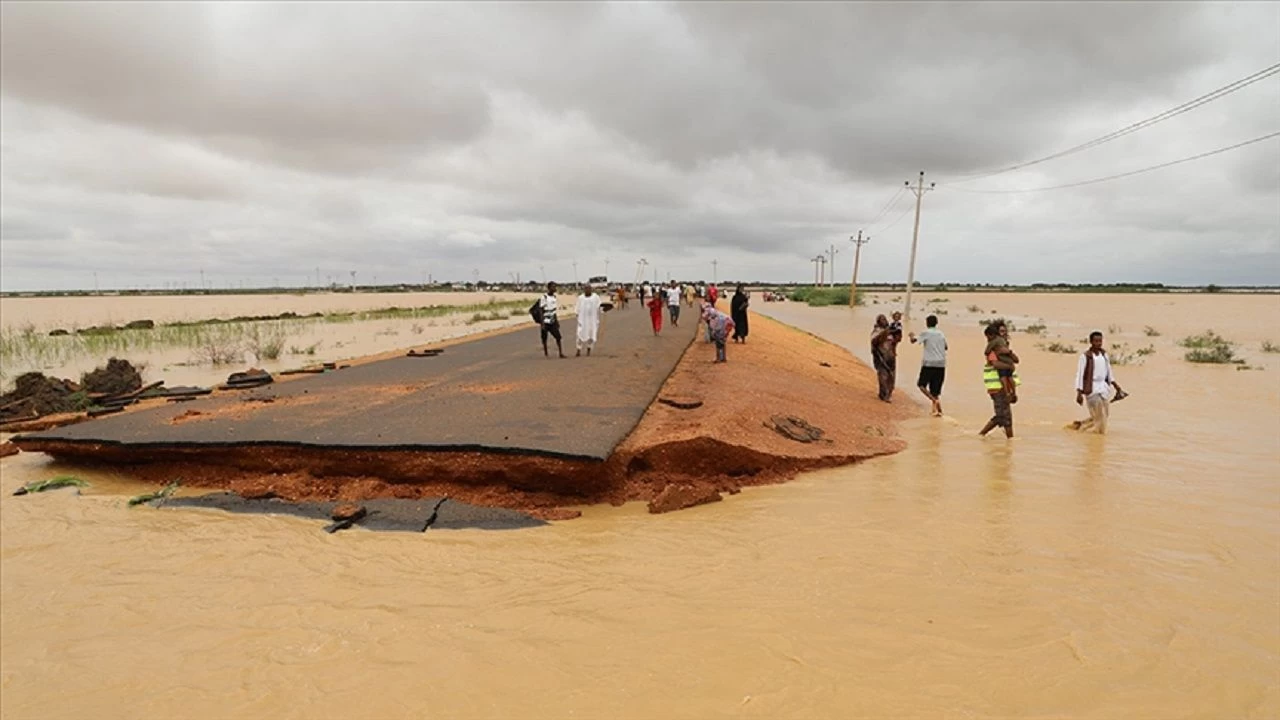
146,141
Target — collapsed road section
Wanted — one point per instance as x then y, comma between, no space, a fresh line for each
492,422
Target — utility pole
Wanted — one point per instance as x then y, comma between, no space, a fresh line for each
353,281
919,191
857,255
640,265
544,273
606,267
715,275
832,255
575,272
814,260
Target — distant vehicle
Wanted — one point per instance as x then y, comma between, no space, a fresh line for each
600,284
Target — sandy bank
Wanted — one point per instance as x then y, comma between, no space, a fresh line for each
723,444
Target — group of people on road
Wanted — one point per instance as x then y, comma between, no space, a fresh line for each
1093,383
591,306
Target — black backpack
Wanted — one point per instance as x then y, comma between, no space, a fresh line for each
536,311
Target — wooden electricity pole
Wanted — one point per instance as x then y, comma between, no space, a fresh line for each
919,191
858,242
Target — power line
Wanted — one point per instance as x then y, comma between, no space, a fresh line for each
887,206
896,220
1140,125
1126,174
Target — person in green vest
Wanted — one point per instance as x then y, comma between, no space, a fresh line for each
1003,415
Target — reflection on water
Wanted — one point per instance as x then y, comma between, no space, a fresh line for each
1055,575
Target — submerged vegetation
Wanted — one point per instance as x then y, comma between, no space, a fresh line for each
161,494
1058,347
52,484
1210,347
1121,354
213,341
824,296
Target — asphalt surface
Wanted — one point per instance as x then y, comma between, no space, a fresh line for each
496,393
386,515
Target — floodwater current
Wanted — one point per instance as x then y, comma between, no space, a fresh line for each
1135,575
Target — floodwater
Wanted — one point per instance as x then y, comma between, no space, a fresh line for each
47,313
1135,575
303,341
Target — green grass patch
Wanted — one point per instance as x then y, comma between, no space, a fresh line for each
1210,347
1058,347
824,296
52,484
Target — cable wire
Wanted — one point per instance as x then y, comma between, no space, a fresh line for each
1140,125
896,220
887,206
1126,174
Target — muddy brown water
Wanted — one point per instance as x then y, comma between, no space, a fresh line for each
1057,575
305,341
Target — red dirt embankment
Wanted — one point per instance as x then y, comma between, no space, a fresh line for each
681,456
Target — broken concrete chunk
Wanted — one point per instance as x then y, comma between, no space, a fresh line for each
795,428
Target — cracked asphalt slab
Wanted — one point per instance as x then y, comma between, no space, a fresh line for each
384,515
496,393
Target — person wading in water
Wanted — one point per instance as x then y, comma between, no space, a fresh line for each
884,356
996,389
1093,386
933,366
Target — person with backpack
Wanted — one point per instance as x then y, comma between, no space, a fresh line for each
544,313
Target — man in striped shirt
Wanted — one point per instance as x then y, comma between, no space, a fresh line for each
550,324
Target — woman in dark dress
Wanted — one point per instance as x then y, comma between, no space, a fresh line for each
738,311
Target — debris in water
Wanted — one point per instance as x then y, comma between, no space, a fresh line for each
117,378
678,496
161,494
59,482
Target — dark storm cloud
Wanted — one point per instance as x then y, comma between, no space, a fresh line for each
146,139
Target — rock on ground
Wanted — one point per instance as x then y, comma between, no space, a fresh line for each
679,496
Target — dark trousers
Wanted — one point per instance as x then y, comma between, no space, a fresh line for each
553,330
886,373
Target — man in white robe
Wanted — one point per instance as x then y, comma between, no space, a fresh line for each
588,319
